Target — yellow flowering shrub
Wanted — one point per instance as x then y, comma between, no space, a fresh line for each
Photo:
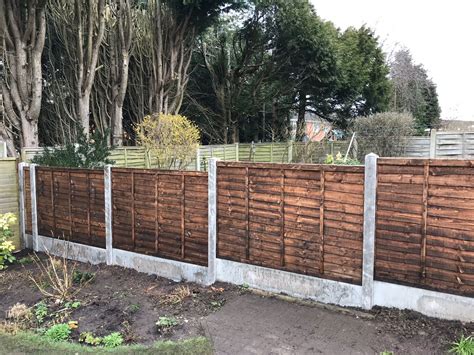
171,139
6,246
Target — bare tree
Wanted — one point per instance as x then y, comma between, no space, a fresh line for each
23,29
80,27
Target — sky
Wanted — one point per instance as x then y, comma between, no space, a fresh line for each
438,33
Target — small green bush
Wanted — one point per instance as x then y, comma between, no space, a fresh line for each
90,339
165,323
86,153
58,332
6,246
41,312
112,340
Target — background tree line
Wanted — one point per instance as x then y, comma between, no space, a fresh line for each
238,68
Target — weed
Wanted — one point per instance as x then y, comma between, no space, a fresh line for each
58,274
133,308
41,312
217,304
112,340
244,288
386,352
58,332
176,296
127,333
166,323
82,277
72,305
25,260
464,346
89,339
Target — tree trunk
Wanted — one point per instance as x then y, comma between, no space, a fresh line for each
83,109
300,124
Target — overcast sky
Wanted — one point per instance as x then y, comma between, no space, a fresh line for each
439,34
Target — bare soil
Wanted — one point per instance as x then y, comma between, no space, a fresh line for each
234,319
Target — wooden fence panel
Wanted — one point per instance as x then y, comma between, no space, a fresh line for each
299,218
425,228
161,213
71,205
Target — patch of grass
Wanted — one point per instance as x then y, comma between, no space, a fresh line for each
33,343
464,346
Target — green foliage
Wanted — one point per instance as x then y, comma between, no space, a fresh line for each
112,340
6,246
165,323
86,153
72,305
171,139
41,312
58,332
81,277
134,308
464,346
339,160
386,352
25,260
89,339
384,133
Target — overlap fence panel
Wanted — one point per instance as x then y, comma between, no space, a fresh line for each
161,213
71,204
306,219
425,225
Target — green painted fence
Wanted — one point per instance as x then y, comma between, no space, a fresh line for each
277,152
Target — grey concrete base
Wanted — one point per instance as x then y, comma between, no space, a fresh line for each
430,303
295,285
70,250
170,269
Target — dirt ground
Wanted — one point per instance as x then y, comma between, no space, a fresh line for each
235,319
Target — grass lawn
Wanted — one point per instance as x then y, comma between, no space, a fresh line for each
32,343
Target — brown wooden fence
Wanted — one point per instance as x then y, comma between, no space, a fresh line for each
425,224
71,204
162,213
301,218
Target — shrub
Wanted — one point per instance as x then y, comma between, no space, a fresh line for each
86,153
112,340
165,323
58,332
339,160
6,246
383,133
172,139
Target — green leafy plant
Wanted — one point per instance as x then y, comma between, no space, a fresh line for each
386,352
133,308
86,153
72,305
217,304
58,332
90,339
41,312
7,220
81,277
112,340
165,323
464,346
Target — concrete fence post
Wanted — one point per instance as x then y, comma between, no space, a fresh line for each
22,216
34,210
290,152
212,221
368,258
108,214
198,159
236,151
433,144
